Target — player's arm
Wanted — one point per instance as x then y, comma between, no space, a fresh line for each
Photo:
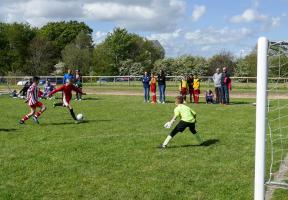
56,90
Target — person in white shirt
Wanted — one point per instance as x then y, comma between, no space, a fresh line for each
217,84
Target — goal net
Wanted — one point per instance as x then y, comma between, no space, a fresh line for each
271,151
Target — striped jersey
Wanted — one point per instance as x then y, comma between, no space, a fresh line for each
33,94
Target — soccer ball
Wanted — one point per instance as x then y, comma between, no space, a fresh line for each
79,117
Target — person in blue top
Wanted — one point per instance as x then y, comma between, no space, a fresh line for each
146,84
68,75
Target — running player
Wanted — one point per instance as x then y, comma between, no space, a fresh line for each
67,89
33,94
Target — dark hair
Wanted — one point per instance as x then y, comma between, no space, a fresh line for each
179,99
35,79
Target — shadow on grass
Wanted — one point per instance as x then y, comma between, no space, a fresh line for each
7,129
73,123
90,98
239,102
203,144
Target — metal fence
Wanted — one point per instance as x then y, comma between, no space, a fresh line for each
132,80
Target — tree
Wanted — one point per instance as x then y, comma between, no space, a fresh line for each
224,59
129,67
121,46
17,39
42,57
63,33
78,54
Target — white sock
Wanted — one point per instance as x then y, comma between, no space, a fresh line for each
167,140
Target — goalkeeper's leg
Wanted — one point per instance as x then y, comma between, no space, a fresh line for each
180,127
194,132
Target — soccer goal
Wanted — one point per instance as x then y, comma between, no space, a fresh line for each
271,149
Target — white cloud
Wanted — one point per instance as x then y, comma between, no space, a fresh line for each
265,22
145,15
171,41
248,15
213,36
99,36
198,12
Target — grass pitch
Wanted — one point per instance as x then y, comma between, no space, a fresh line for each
113,154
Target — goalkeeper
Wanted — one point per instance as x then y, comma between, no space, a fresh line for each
187,119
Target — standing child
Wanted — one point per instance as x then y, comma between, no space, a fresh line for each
183,88
33,94
190,82
153,87
196,91
67,95
187,119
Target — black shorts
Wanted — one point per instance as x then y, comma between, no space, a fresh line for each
181,126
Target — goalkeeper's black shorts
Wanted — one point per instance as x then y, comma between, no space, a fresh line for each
181,126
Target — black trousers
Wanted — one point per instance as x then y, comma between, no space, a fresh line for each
181,126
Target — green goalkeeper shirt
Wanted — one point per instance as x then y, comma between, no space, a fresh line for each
185,113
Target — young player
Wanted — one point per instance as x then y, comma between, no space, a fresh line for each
153,87
183,87
67,89
196,89
187,119
33,94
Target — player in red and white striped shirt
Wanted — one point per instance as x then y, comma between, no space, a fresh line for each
33,94
67,89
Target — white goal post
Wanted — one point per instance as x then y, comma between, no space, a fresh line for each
271,115
261,105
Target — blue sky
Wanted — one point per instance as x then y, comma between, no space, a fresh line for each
199,28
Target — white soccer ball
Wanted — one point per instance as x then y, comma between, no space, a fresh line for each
167,125
80,117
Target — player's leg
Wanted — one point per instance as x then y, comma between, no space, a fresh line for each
26,117
194,132
39,113
71,112
180,127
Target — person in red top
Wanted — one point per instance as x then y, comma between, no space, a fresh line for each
33,95
67,89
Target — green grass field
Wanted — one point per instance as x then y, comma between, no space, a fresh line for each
113,154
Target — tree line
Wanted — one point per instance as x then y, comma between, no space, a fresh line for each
27,50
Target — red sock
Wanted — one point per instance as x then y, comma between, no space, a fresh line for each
38,114
25,118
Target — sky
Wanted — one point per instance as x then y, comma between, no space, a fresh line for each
183,27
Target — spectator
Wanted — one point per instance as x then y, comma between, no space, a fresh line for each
162,86
146,84
209,96
190,82
78,84
196,89
217,84
23,91
153,87
183,88
48,87
225,83
69,76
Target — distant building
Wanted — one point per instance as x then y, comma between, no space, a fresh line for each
158,45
